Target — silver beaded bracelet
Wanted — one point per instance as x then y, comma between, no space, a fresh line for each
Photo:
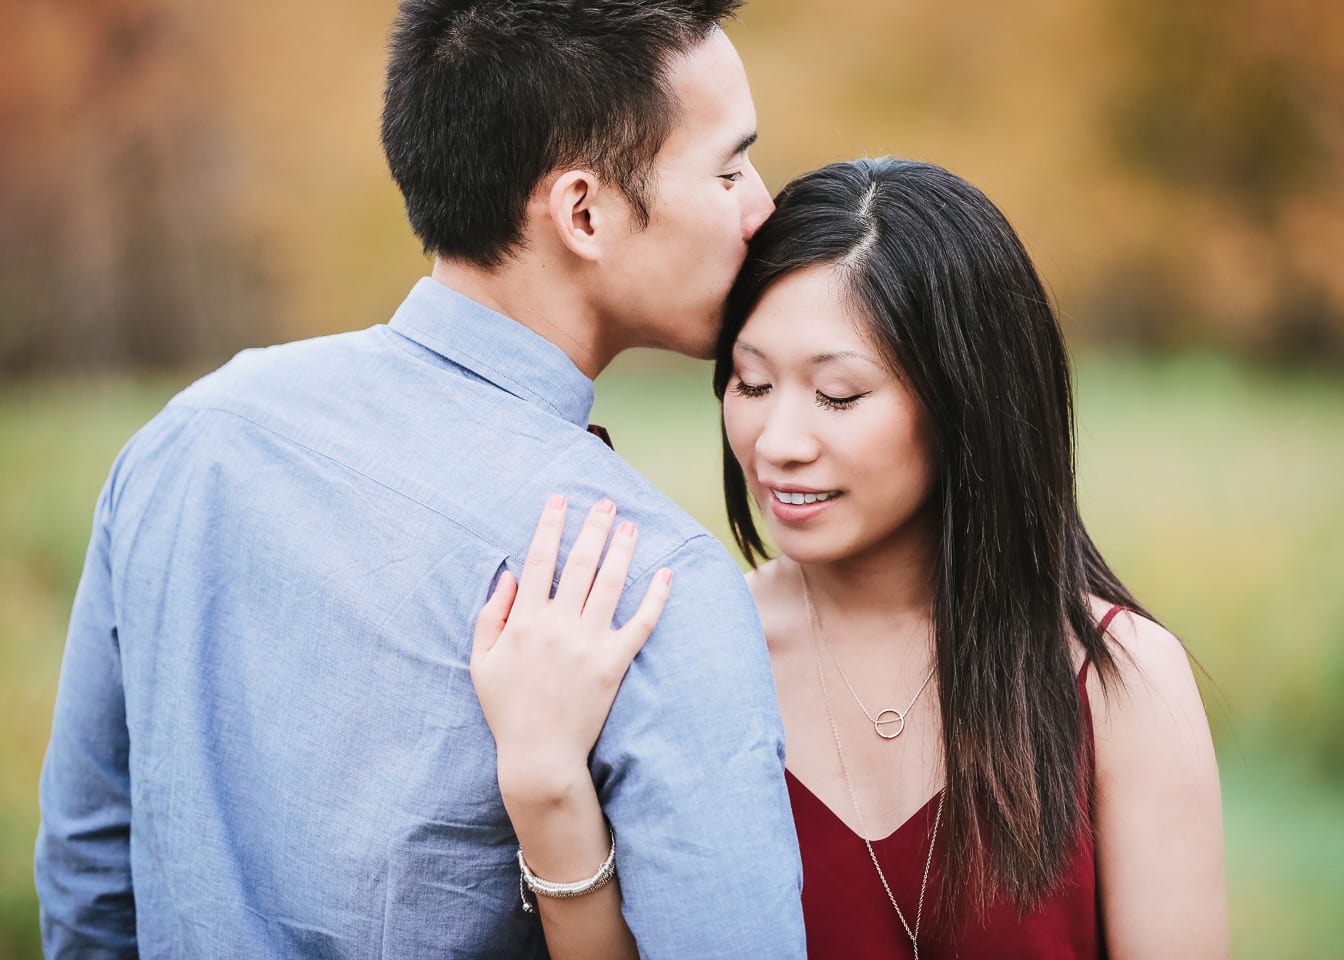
546,888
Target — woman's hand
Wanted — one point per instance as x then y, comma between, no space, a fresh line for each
547,669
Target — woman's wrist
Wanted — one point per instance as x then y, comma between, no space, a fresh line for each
532,783
555,812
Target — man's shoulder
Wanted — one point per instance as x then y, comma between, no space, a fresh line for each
585,470
464,448
265,374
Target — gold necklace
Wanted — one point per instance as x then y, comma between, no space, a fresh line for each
884,717
913,934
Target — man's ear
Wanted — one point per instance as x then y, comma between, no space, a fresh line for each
579,207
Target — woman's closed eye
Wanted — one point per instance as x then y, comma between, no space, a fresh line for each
743,389
829,402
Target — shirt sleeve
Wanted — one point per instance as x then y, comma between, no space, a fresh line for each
690,770
83,864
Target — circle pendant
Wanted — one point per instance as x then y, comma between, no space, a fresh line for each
885,719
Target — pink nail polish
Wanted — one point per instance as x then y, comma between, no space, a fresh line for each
627,529
605,506
667,576
556,502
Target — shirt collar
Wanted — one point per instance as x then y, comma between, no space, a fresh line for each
496,348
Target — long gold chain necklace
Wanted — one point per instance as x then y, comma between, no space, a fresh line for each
913,934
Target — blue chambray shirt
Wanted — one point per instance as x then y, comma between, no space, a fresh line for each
266,742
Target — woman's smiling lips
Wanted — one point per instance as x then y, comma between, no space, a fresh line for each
791,504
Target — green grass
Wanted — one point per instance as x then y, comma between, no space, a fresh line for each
1218,493
1285,847
1215,490
57,440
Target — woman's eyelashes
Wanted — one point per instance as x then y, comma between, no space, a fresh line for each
824,400
829,402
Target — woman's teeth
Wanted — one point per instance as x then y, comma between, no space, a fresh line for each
784,496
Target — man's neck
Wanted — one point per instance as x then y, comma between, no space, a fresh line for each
523,292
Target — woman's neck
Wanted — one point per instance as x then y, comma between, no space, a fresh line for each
885,592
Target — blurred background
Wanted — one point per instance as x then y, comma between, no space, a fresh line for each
180,179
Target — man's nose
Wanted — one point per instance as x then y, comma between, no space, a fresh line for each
758,209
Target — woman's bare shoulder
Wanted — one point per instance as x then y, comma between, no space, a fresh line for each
1148,717
1151,663
1158,809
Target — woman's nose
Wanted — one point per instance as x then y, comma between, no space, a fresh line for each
785,438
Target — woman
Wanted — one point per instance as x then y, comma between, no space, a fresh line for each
993,750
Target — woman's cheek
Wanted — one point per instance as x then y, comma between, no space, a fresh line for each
737,430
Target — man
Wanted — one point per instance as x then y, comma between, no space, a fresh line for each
266,742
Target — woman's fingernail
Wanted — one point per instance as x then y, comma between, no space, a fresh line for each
627,529
605,506
667,577
556,502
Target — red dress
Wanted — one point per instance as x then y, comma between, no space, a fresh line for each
848,915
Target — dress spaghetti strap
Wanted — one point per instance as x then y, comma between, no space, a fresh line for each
1111,614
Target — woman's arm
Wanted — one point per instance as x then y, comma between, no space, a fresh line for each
1159,815
546,671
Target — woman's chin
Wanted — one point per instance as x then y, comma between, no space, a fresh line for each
808,547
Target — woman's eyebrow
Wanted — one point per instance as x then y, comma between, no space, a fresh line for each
843,355
816,359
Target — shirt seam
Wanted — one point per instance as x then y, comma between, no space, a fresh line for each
665,559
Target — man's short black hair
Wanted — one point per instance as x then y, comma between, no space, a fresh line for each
485,97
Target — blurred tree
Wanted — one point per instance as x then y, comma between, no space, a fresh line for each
117,243
178,178
1233,111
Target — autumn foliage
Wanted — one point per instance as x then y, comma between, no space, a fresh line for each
179,179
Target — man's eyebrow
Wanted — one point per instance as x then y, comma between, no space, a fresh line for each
743,145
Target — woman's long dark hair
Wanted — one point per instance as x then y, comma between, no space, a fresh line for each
955,302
